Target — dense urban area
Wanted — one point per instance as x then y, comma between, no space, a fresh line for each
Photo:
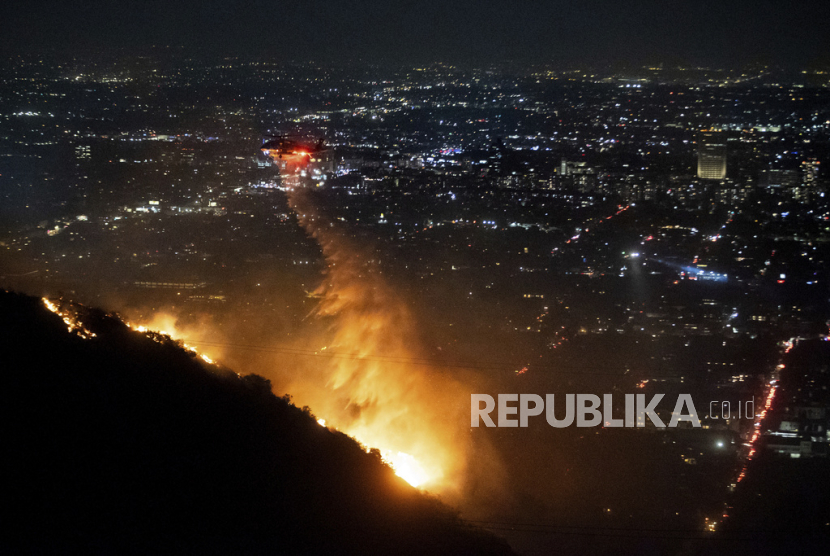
647,230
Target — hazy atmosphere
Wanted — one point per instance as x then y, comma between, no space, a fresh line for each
416,278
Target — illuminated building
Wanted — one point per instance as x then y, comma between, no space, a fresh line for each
806,191
809,169
711,156
578,175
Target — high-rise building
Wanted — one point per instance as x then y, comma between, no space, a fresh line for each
807,189
578,175
809,170
779,178
711,156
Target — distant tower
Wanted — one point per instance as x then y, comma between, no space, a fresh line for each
806,191
711,156
809,169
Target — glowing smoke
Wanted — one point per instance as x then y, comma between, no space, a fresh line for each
373,391
364,380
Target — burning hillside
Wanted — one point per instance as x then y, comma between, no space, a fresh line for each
124,441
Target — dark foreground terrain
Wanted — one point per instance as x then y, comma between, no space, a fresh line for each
120,444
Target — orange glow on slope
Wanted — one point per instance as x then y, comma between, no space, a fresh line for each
405,465
74,324
369,388
416,416
71,321
162,325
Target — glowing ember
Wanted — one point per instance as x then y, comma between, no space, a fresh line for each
412,414
72,322
406,467
160,335
416,472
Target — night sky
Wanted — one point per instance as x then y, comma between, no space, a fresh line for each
711,32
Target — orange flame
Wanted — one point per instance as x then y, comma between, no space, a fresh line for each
376,394
367,385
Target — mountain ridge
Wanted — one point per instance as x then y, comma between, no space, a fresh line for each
122,443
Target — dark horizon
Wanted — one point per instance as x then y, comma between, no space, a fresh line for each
596,33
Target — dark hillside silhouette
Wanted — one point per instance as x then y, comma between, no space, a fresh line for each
120,444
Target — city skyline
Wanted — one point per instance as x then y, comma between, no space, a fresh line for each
248,299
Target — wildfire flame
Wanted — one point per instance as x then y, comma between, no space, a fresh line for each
402,463
406,467
414,415
170,330
73,324
392,406
376,393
